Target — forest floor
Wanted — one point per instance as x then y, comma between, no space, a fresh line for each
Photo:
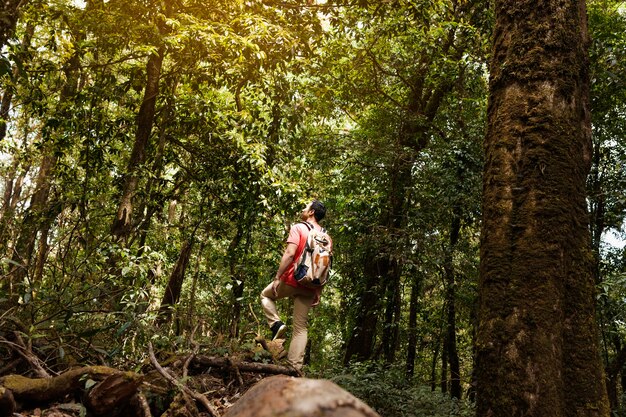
169,385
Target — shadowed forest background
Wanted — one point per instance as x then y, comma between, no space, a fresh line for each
154,154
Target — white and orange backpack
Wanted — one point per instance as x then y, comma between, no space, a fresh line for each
313,267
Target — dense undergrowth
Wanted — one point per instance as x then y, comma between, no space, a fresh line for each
392,394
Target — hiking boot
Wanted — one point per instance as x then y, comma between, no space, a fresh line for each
278,330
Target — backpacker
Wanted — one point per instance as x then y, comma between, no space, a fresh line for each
313,266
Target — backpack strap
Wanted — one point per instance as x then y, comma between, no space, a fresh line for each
308,225
311,227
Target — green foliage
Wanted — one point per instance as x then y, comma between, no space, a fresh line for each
392,395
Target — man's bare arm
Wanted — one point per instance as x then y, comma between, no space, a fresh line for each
287,259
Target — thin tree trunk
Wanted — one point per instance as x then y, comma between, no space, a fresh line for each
12,195
412,330
471,390
7,96
145,119
443,380
450,302
34,220
237,278
360,345
391,325
433,367
191,313
175,283
156,200
537,347
613,372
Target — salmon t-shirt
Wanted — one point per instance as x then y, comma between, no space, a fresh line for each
297,236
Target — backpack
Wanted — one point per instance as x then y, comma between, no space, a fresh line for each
313,266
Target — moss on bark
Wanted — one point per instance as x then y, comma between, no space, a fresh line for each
537,345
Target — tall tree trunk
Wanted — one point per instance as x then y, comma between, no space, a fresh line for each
191,312
443,380
537,352
360,345
450,302
145,119
433,366
237,278
35,219
156,199
391,327
175,283
613,372
411,353
12,194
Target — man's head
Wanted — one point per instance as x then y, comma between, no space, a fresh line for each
316,209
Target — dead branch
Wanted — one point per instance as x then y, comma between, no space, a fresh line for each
11,365
196,396
196,349
142,404
262,368
25,352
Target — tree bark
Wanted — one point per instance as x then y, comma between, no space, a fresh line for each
612,373
360,345
175,283
145,119
391,327
36,219
433,366
287,396
443,380
47,389
412,330
450,302
537,348
237,278
154,186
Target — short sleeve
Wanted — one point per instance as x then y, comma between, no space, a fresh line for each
294,235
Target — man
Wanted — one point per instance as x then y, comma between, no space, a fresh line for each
285,285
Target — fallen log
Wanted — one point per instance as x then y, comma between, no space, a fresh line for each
298,397
47,389
113,393
228,363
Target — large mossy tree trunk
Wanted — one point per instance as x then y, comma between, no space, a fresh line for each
537,345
